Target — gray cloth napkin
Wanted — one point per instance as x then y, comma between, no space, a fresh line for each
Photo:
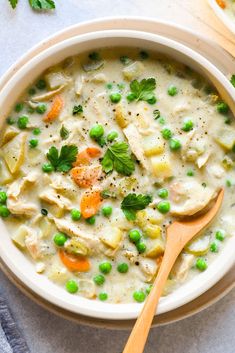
11,340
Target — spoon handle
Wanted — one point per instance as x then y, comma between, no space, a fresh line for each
139,334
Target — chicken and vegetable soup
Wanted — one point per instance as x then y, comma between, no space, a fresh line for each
100,155
228,6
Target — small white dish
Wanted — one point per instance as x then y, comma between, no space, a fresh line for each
19,264
223,16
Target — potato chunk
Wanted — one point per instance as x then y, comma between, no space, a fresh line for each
112,237
161,166
133,70
156,249
14,152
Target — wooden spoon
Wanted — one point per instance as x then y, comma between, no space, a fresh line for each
179,234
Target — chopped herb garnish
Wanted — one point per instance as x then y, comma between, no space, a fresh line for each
156,114
44,212
125,60
40,5
143,55
118,158
64,133
10,121
94,56
106,194
133,203
232,80
19,107
77,109
62,162
143,90
13,3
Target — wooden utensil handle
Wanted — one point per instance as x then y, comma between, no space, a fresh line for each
139,334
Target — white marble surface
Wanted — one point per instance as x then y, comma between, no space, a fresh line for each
211,331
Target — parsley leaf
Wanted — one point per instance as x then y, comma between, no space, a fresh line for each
232,80
62,162
132,203
117,157
13,3
64,133
40,5
77,109
143,90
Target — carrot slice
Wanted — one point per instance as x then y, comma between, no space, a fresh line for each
90,203
85,157
56,107
221,4
74,262
86,176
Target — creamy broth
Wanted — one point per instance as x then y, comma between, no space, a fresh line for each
100,154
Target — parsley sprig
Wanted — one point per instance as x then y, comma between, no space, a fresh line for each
232,80
143,90
37,5
62,161
118,158
133,203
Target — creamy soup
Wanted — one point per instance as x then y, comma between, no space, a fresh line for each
100,155
228,6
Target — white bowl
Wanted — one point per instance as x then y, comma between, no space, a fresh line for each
19,264
222,16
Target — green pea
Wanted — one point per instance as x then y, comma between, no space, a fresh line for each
187,126
134,235
201,264
10,121
36,131
72,286
115,97
105,267
163,193
103,296
96,131
109,85
214,247
4,212
220,235
3,197
222,108
139,296
172,90
112,136
125,60
107,211
228,183
166,134
41,108
33,143
41,84
123,267
175,144
75,214
47,168
190,172
91,220
19,107
141,247
163,206
60,239
161,120
99,280
22,122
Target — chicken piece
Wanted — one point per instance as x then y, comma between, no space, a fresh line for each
56,79
52,197
9,134
48,95
134,140
90,241
133,70
16,188
99,78
182,266
190,197
21,208
149,268
78,85
203,159
32,244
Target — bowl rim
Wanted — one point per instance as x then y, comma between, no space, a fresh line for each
105,310
222,16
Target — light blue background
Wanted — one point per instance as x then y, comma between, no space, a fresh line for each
212,331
